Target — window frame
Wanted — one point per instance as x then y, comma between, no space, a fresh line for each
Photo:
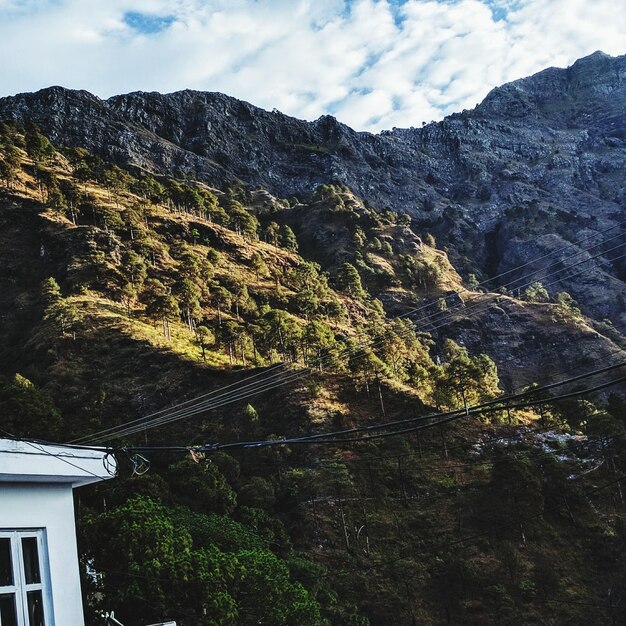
20,588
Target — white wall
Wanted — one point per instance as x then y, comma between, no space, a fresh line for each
49,506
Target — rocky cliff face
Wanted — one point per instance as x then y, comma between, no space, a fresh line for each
539,163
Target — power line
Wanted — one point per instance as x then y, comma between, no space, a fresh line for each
168,416
221,389
620,351
464,308
203,408
380,460
435,422
335,437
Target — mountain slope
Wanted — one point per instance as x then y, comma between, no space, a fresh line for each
123,293
543,155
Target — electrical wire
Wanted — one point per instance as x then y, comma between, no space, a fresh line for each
465,308
335,438
435,422
618,351
180,404
142,423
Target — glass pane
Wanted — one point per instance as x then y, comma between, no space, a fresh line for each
8,616
6,568
35,609
31,560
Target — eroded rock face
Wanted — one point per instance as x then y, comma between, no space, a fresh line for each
541,162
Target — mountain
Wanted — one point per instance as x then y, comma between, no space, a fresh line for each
281,279
539,163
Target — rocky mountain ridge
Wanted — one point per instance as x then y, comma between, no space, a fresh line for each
539,163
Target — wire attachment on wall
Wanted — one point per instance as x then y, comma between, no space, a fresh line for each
110,464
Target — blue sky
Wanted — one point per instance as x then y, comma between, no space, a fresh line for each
374,64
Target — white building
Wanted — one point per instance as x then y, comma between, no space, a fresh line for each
39,575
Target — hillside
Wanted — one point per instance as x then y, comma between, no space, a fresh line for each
154,249
540,156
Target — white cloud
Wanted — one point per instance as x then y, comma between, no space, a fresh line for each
372,64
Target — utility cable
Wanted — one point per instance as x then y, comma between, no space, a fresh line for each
618,351
497,404
264,386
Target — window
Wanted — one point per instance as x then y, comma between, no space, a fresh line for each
23,586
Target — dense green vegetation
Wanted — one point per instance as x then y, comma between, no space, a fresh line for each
135,292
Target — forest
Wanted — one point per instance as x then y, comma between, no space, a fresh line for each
395,475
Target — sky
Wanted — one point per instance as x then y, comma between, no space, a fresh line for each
373,64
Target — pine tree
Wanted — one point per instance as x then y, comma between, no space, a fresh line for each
349,280
204,337
287,238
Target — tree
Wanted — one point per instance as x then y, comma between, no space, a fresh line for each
26,410
472,282
250,419
401,348
271,233
281,332
349,280
189,298
50,291
83,173
616,407
240,296
465,378
318,339
404,220
364,366
47,181
116,180
58,201
258,265
386,249
306,275
229,333
9,167
287,238
222,299
93,266
244,223
307,302
258,493
38,147
134,268
161,305
72,195
204,338
536,293
566,308
358,238
143,537
64,316
201,487
129,297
